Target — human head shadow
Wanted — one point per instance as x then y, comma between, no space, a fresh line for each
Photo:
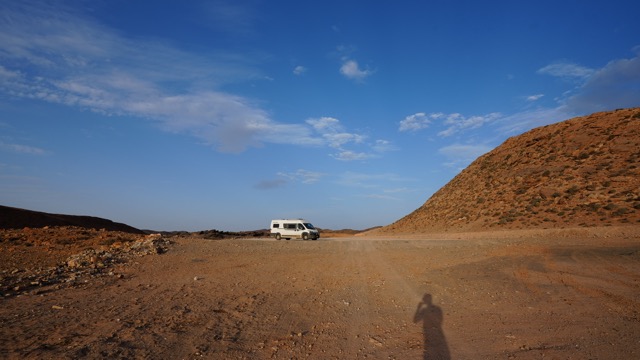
435,343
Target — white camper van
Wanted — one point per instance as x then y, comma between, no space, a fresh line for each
293,228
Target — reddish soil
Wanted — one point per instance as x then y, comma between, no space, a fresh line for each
563,294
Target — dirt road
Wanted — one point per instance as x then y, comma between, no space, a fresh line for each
522,297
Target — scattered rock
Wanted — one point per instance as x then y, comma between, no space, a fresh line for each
97,253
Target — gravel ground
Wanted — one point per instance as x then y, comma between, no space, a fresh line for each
563,294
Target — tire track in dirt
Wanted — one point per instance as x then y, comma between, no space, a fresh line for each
346,301
384,324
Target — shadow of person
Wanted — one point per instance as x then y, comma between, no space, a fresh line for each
435,343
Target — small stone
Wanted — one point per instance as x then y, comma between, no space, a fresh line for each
375,341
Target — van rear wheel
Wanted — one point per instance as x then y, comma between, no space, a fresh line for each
278,236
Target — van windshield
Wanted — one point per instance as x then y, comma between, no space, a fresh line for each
309,226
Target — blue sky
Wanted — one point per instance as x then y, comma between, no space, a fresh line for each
225,114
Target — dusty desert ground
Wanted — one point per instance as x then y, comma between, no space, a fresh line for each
559,294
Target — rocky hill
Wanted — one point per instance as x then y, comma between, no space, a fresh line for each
580,172
14,218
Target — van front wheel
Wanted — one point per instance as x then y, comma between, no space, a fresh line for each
278,237
305,236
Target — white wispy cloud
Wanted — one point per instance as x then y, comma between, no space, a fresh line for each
418,121
7,75
384,146
454,123
522,121
299,70
303,176
566,70
299,176
334,135
338,139
457,122
616,85
22,149
325,124
352,70
348,155
55,54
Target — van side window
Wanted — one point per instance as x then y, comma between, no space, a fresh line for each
290,226
276,226
300,227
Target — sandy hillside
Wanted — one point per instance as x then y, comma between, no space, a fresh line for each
580,172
